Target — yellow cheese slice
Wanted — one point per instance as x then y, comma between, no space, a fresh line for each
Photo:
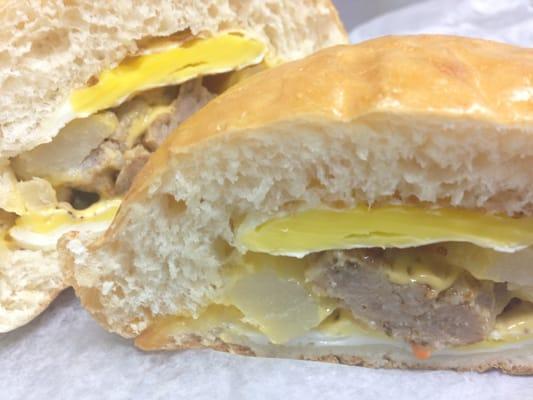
40,229
171,66
421,265
388,226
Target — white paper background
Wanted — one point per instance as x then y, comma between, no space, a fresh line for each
65,355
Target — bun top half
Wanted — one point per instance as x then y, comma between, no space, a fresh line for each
464,87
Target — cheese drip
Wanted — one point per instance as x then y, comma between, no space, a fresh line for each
388,226
424,265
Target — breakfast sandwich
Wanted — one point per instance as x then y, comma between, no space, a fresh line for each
370,205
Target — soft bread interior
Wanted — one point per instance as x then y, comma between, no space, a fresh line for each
59,46
172,253
31,279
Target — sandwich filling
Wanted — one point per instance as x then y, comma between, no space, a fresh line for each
434,280
105,132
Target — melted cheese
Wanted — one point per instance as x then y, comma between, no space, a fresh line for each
426,265
514,324
143,121
388,226
169,67
213,320
3,242
40,229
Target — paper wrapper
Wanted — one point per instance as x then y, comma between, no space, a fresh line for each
508,21
64,354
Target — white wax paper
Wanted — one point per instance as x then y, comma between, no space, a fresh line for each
64,354
508,21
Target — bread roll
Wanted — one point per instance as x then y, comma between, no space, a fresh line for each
421,146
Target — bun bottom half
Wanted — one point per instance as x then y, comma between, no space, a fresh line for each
516,360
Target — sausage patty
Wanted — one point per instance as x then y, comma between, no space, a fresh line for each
462,314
